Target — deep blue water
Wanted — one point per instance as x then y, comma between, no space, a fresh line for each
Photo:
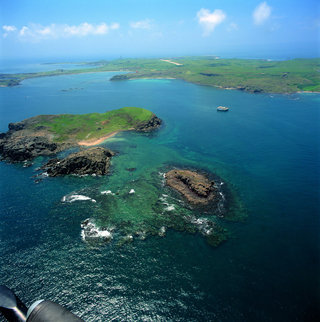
266,147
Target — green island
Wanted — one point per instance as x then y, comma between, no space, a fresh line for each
49,134
251,75
87,127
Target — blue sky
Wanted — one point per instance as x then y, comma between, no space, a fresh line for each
148,28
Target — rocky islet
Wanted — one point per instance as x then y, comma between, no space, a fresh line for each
196,188
94,160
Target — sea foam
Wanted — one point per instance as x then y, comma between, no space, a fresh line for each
74,198
107,192
170,208
89,231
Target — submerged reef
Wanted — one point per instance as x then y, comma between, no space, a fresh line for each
122,212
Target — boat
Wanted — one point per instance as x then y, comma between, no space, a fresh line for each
222,108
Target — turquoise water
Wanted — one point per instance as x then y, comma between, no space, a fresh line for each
266,149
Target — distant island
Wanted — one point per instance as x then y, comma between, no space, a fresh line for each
50,134
250,75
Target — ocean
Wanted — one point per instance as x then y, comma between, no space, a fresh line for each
265,150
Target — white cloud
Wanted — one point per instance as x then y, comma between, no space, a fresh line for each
85,29
102,29
142,24
261,13
9,28
46,31
115,26
36,32
209,20
23,31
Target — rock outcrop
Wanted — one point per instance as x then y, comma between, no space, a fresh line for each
95,160
195,187
20,148
149,126
26,141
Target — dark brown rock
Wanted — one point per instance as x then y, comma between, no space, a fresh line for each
23,148
195,187
149,126
23,142
95,160
16,126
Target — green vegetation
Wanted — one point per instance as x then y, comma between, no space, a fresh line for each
66,127
252,75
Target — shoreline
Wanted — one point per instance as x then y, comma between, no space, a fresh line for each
307,92
93,142
136,78
26,76
169,78
65,74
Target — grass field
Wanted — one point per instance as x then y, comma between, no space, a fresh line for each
250,75
66,127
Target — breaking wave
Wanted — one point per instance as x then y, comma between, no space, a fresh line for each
73,198
90,231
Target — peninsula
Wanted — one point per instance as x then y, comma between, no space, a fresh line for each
50,134
251,75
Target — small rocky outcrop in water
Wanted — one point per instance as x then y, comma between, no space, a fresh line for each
91,161
195,187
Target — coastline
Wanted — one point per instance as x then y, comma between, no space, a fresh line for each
149,78
268,81
131,79
307,92
93,142
64,74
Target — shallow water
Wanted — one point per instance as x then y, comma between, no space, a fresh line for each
266,149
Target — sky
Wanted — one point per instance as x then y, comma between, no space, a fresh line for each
103,29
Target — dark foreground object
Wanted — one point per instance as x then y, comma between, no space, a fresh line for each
48,311
14,310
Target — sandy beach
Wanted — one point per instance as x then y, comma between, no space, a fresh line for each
97,141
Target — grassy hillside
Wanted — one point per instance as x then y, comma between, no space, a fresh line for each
90,126
250,75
